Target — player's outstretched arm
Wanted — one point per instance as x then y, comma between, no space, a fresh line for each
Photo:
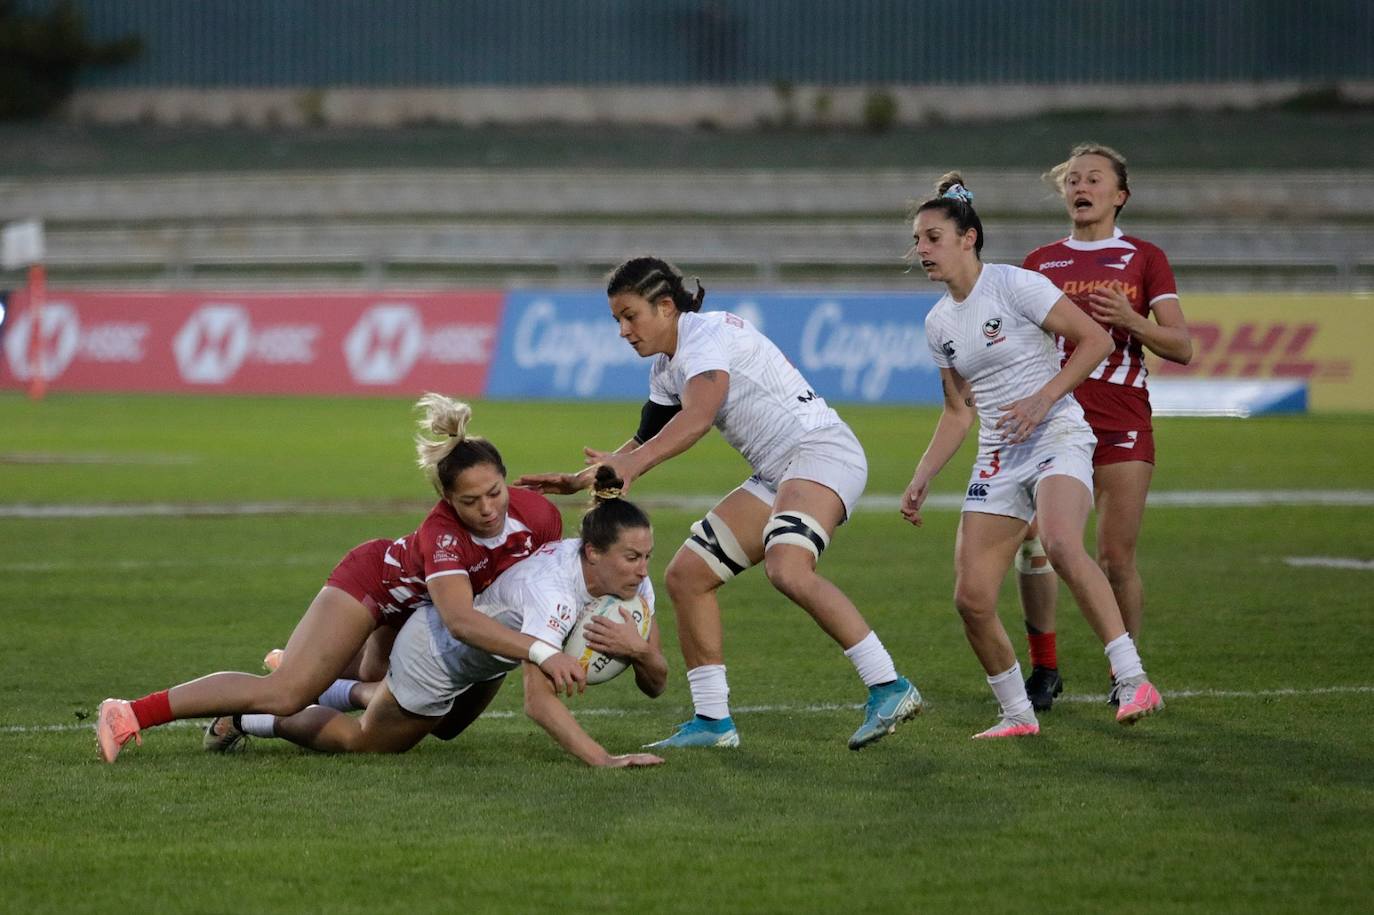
565,484
702,398
452,596
543,706
561,484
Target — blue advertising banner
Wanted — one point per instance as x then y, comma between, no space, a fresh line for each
565,345
852,347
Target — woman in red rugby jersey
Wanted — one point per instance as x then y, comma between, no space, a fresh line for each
1126,283
479,528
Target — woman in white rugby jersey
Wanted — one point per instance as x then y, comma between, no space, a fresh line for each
478,527
809,470
436,680
990,334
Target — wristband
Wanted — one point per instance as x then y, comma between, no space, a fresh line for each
541,652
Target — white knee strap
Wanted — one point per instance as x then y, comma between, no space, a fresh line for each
715,543
1031,558
795,529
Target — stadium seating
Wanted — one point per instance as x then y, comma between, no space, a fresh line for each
1234,230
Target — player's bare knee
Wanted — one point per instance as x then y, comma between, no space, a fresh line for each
1117,564
974,603
284,705
373,669
285,698
1064,553
789,571
684,579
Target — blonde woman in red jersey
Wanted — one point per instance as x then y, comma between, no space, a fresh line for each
1127,285
478,528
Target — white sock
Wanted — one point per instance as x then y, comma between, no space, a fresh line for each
258,725
872,661
1010,690
1124,659
710,692
337,696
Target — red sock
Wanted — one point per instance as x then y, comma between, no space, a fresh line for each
153,709
1042,649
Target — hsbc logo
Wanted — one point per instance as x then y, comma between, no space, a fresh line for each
58,334
391,337
62,339
211,346
384,344
219,338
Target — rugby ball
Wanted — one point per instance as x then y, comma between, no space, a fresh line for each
602,667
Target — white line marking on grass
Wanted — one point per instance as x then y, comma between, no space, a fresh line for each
42,457
1169,695
1238,498
133,565
1331,562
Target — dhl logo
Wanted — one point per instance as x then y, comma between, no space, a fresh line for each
1079,289
1255,350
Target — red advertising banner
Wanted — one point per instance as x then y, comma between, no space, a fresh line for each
261,343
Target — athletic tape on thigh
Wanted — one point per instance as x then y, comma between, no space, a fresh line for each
796,529
1030,551
714,542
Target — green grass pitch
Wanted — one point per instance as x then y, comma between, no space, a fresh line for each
1252,792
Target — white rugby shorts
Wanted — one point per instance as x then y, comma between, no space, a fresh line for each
1004,480
420,682
831,456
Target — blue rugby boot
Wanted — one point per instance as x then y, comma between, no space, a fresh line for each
700,732
888,706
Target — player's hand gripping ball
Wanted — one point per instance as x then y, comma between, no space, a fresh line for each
602,667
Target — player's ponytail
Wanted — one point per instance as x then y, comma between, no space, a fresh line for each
442,460
610,511
955,200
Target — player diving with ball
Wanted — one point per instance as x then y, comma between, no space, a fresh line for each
439,684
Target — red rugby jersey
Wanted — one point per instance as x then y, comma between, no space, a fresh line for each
443,546
1136,267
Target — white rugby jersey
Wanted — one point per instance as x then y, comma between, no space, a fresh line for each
994,340
770,406
540,596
